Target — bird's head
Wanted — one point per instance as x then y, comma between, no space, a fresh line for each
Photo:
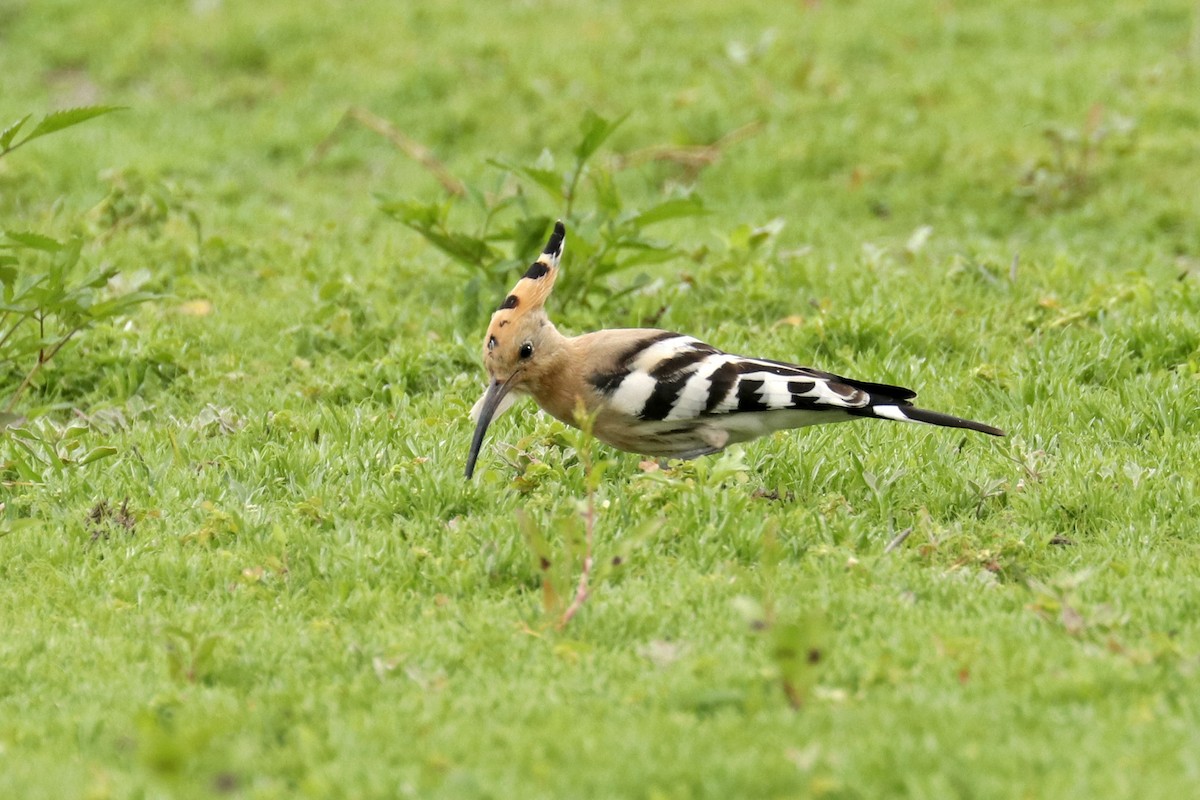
517,339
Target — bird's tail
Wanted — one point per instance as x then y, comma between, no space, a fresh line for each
905,412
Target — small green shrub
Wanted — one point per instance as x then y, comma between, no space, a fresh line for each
609,238
48,298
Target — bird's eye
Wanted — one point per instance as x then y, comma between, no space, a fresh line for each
526,350
491,343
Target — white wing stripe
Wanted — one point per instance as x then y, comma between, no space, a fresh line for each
776,394
694,396
635,389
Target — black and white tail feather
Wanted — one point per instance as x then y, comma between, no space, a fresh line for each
693,399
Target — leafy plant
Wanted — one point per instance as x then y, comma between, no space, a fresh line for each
576,545
562,543
191,654
1066,174
609,238
45,301
42,447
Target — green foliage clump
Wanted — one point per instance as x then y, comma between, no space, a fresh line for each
607,235
47,299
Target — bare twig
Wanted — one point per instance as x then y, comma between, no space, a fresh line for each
589,517
42,359
8,334
581,589
406,144
691,157
322,149
898,540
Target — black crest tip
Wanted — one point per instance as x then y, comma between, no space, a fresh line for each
555,245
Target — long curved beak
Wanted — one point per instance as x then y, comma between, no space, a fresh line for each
487,406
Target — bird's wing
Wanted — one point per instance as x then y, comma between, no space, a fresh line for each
667,376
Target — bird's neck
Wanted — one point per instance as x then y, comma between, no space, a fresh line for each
561,380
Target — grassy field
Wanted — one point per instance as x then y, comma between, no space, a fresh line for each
279,584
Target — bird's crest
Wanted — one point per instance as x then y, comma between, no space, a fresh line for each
531,291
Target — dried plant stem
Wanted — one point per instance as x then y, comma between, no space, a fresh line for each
581,588
3,321
589,516
43,357
692,157
406,144
898,540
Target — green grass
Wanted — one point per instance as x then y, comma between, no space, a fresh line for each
303,598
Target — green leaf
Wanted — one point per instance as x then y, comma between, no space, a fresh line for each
28,463
675,208
476,196
548,179
73,430
15,525
97,453
35,241
529,236
799,648
427,219
8,419
202,653
643,256
608,198
459,246
414,213
535,541
595,129
60,120
97,279
118,305
7,135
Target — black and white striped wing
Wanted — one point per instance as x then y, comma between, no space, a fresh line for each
673,378
684,397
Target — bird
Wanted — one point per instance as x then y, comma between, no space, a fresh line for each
659,393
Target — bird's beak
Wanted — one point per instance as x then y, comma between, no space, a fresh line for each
491,405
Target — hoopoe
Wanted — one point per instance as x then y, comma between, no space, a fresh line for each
659,393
